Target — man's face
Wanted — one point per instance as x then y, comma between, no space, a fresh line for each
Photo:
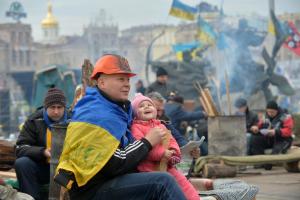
242,109
116,86
56,112
272,113
162,79
159,105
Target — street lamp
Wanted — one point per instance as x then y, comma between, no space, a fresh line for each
149,51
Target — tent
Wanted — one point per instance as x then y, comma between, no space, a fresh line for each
58,76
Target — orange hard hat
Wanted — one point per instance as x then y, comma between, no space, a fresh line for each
112,64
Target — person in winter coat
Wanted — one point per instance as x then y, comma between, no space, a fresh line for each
159,103
175,112
145,118
139,87
275,132
161,84
33,147
252,120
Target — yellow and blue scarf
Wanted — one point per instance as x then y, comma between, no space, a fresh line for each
49,123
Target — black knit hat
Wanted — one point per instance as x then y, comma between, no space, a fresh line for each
176,98
241,102
272,105
54,96
161,72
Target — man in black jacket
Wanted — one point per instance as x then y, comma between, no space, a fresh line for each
34,143
251,119
161,84
99,132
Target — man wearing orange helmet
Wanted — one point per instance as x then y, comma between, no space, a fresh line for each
100,156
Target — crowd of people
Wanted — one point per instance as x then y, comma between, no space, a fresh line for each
113,147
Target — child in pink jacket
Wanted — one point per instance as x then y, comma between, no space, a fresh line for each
145,119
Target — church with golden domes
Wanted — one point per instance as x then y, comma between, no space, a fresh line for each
50,27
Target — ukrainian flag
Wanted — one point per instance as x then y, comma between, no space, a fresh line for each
181,49
181,10
98,127
206,33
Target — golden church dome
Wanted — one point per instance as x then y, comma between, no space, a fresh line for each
49,21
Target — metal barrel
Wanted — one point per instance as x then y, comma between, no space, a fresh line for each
227,135
58,138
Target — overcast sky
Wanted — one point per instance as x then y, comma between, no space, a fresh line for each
74,14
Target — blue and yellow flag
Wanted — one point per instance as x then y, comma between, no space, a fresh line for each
98,127
206,33
183,11
184,48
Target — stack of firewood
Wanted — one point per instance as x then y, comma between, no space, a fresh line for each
206,101
7,155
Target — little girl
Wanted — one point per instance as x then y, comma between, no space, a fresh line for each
145,119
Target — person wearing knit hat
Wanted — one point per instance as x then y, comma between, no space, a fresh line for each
272,105
33,146
161,72
138,99
54,96
161,84
55,106
275,132
144,120
241,102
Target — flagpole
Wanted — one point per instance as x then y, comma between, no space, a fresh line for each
272,5
228,92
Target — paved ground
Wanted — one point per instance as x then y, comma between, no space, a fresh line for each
276,184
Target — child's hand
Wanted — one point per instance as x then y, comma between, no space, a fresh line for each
173,160
168,153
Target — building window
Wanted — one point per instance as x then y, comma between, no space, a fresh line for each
20,38
13,37
21,57
14,57
28,58
27,38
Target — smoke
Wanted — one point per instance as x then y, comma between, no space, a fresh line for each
245,74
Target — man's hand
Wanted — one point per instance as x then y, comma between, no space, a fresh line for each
254,129
195,153
271,132
168,153
47,153
155,135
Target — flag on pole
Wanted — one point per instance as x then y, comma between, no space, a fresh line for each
183,11
293,40
205,32
185,49
280,31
